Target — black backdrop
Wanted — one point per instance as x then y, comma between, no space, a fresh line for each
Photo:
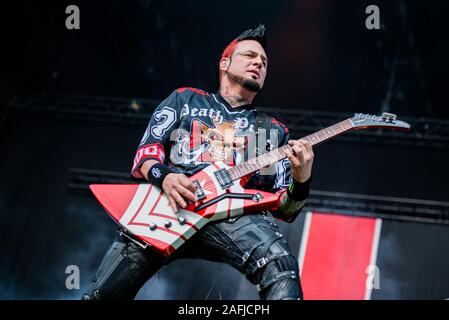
320,51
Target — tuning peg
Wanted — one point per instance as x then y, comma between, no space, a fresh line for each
389,116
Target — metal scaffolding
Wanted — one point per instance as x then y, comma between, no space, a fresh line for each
393,208
124,111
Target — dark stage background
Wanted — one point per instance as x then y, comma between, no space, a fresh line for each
74,105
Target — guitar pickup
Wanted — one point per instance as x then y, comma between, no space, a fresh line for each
224,178
199,193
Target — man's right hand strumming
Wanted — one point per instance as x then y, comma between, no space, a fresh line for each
178,188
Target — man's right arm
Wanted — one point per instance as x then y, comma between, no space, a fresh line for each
177,187
151,151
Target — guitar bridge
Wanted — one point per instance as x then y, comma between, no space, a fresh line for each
224,178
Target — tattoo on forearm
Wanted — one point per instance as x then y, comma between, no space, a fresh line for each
289,206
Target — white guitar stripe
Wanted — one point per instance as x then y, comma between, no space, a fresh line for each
162,207
137,222
137,200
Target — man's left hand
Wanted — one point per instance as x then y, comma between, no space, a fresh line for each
301,159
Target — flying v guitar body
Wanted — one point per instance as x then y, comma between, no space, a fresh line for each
144,212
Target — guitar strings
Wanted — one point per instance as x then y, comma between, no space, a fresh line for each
210,184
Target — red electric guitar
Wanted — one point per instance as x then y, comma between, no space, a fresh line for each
142,210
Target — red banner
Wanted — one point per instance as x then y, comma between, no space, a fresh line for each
337,255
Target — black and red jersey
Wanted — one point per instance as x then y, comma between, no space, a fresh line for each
192,128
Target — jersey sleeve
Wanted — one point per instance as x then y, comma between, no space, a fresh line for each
156,138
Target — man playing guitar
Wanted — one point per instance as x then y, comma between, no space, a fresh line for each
192,129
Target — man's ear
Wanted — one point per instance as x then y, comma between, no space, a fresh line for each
224,64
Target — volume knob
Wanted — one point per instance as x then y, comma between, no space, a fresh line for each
153,226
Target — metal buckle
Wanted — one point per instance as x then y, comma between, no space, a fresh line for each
261,262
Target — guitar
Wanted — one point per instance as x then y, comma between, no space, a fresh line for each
143,212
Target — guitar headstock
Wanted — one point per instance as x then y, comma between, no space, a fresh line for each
385,121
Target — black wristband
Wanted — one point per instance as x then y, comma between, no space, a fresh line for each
299,191
157,173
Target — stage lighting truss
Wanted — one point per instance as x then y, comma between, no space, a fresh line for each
131,111
363,205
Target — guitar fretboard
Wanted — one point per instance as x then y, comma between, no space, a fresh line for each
278,154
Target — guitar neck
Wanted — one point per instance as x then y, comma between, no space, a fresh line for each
278,154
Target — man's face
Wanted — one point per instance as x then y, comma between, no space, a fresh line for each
248,65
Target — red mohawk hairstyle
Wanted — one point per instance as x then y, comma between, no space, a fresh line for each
229,50
257,34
